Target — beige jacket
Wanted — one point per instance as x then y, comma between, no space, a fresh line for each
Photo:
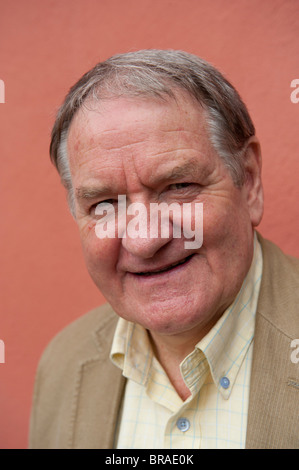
78,390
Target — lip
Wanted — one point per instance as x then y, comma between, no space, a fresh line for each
161,271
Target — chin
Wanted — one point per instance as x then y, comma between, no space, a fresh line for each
168,317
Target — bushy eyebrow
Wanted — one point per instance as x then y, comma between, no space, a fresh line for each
191,168
88,193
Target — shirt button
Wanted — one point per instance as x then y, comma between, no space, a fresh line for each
183,424
224,382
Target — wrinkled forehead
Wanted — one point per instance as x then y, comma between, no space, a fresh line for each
138,118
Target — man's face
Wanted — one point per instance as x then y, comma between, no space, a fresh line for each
151,152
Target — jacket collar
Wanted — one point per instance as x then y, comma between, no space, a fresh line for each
98,394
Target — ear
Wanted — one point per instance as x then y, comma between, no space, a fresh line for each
253,187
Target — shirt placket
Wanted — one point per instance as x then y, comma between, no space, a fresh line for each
183,430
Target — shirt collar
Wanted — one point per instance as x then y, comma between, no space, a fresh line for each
227,343
131,351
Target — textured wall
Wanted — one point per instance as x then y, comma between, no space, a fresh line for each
45,47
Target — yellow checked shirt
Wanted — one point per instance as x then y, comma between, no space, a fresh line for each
217,373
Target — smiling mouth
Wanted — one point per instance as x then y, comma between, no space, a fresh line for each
168,268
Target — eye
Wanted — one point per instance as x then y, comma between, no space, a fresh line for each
177,186
107,203
99,207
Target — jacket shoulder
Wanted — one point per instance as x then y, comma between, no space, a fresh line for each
279,294
273,400
79,339
83,344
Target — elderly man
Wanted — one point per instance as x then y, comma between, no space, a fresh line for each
193,348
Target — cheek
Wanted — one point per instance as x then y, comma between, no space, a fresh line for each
216,223
100,254
225,225
228,241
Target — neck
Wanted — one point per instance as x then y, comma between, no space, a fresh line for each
172,349
170,352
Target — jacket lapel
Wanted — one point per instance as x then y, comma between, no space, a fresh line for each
273,413
98,396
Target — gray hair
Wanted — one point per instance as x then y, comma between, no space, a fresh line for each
158,74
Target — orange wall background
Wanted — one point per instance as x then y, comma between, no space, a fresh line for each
45,46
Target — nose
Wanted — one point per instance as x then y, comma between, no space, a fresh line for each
143,237
144,248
